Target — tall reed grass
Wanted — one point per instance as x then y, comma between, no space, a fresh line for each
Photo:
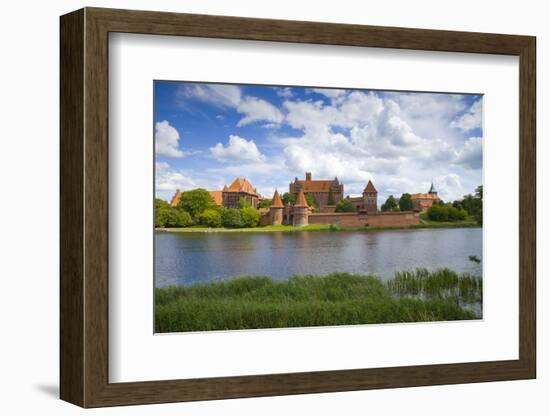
303,301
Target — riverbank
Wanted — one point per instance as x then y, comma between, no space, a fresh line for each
320,227
305,301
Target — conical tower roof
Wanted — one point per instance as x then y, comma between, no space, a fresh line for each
276,202
370,187
432,189
301,200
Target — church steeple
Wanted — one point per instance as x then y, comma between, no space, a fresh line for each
432,189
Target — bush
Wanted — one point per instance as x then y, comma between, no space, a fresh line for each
462,214
452,213
438,213
250,217
178,218
232,218
210,218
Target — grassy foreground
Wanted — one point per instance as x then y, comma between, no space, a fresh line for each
334,299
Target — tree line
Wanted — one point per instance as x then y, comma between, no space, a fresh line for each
197,208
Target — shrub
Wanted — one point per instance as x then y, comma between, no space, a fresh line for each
250,216
210,218
438,212
178,218
232,218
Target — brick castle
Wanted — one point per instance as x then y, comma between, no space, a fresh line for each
326,193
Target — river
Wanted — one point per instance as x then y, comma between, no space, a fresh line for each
188,258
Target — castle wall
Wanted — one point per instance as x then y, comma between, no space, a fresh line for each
379,219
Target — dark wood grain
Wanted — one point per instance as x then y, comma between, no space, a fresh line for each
84,207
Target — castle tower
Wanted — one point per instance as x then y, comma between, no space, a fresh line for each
370,198
301,210
276,209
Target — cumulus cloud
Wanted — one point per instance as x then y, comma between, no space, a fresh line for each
471,119
253,109
449,187
168,180
237,150
167,140
471,154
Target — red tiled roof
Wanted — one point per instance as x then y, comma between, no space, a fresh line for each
241,185
370,187
316,185
277,202
424,196
301,200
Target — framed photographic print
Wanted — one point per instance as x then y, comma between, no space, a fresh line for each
255,207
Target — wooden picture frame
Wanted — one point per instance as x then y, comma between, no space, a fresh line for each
84,207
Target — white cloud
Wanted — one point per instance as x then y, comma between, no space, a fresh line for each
237,150
471,119
254,109
167,140
449,187
471,154
167,181
285,92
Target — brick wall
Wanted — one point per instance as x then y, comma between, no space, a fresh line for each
380,219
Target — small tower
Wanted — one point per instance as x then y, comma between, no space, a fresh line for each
301,210
370,198
432,189
276,209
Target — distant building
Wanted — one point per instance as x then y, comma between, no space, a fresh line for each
239,188
230,196
276,209
324,192
216,196
422,202
368,202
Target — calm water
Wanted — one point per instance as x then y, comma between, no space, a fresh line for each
187,258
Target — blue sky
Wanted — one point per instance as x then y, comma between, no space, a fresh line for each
208,134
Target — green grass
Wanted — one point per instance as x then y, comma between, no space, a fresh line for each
334,299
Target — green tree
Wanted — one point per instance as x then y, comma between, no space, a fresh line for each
178,218
330,197
390,204
405,202
438,212
344,205
264,203
250,217
288,198
243,202
311,202
232,218
196,201
210,218
162,209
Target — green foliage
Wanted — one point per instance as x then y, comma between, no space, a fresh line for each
446,212
161,212
210,218
243,203
196,201
250,217
390,204
334,299
178,218
405,202
264,203
232,218
288,198
438,212
311,202
344,205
